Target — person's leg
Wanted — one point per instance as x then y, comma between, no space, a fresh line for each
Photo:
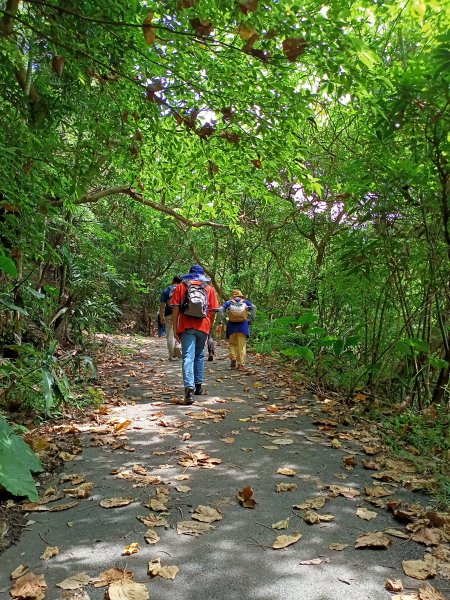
170,337
241,344
211,348
199,362
188,341
233,349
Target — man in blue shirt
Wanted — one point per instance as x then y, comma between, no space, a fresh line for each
165,316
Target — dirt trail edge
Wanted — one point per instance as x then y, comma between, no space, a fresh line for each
178,471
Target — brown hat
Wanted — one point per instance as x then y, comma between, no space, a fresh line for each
237,293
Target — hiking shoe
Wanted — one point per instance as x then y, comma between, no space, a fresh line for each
198,389
177,353
233,363
210,358
188,396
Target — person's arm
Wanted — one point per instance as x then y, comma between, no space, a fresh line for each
175,313
252,315
161,312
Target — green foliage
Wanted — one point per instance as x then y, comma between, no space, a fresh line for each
17,462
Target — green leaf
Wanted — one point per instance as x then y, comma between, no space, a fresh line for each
307,319
299,352
8,265
47,384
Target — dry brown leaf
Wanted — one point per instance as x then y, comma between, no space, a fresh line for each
74,478
207,514
49,552
19,571
371,450
286,487
152,520
115,502
64,506
126,589
157,505
420,569
315,503
428,592
282,441
342,490
107,577
312,517
366,514
287,471
228,440
427,536
378,491
395,585
155,568
349,462
66,456
78,594
282,541
148,31
314,561
246,498
338,547
74,581
151,537
29,586
182,477
397,533
373,539
122,425
184,489
132,548
294,47
81,491
283,524
193,527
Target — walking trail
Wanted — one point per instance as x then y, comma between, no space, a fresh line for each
212,486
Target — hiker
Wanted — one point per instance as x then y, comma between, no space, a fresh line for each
194,304
161,326
165,317
211,345
235,313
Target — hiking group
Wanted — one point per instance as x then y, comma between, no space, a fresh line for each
188,308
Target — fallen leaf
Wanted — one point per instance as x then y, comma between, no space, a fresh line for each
49,552
246,498
184,489
315,503
29,586
81,491
337,547
115,502
74,478
427,536
182,477
155,568
193,527
335,443
207,514
314,561
66,456
126,589
74,581
284,524
122,425
364,513
228,440
312,517
64,506
395,585
78,594
286,487
107,577
378,491
349,462
428,592
132,548
420,569
282,441
157,505
342,490
282,541
151,537
397,533
287,471
373,539
19,571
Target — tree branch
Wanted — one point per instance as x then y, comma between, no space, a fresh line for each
7,22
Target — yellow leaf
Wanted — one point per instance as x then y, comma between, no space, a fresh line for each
155,568
131,549
151,537
49,552
245,31
286,487
115,502
286,540
286,471
149,32
126,589
283,524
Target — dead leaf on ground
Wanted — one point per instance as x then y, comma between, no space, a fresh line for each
78,594
115,502
157,505
182,477
427,536
378,491
155,568
66,456
282,441
132,548
184,489
349,462
342,490
107,577
207,514
283,524
152,520
282,541
365,513
312,518
29,586
373,539
151,537
314,503
397,533
338,547
64,506
126,589
314,561
73,478
49,552
246,497
228,440
193,527
74,581
287,471
81,491
19,571
428,592
393,585
420,569
286,487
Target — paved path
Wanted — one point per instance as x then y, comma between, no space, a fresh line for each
234,422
